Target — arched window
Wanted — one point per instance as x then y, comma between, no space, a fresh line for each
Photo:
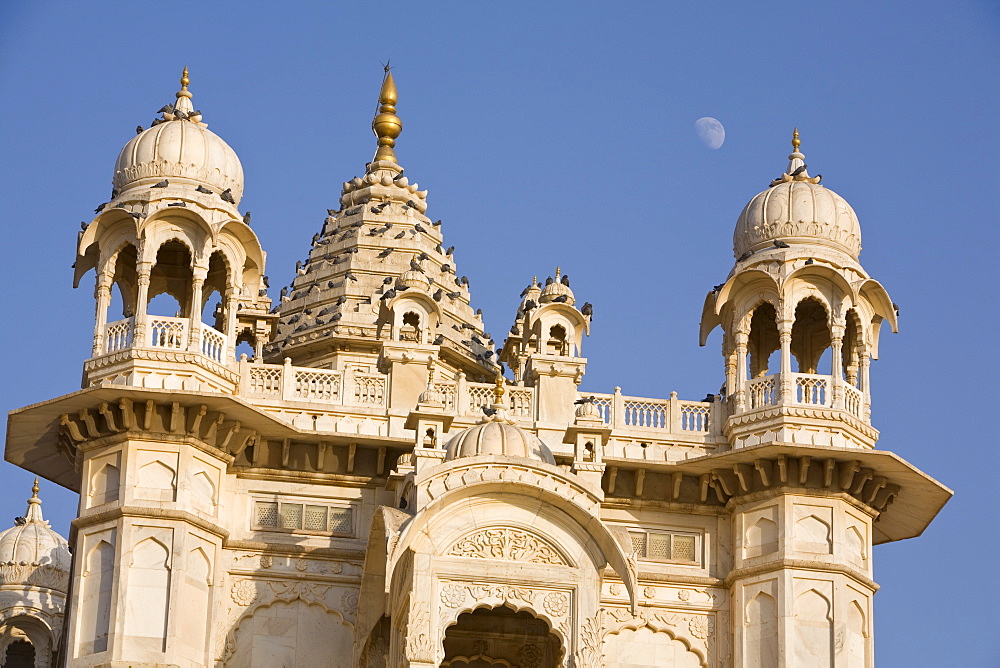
557,344
851,352
763,342
410,329
171,275
810,336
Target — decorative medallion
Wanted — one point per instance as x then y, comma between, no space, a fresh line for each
616,590
244,592
684,595
349,601
555,604
452,595
649,592
698,626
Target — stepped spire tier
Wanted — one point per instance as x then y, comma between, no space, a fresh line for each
378,276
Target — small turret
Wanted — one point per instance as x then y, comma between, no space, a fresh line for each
798,294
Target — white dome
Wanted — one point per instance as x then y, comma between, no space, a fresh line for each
557,289
497,436
179,149
33,542
798,212
796,209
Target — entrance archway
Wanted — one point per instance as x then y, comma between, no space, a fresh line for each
493,637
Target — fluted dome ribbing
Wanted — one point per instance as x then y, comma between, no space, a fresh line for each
796,209
179,149
33,542
179,146
497,436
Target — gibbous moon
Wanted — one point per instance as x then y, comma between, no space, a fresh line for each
710,132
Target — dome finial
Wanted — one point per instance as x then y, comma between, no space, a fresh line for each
34,513
183,104
386,125
498,390
796,142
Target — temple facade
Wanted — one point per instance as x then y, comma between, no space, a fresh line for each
359,474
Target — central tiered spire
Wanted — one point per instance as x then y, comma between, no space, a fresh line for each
379,271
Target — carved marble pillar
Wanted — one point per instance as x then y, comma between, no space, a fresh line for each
141,336
836,380
231,305
865,360
740,378
102,296
785,337
194,317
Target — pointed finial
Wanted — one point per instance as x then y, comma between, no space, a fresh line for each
796,142
558,270
534,280
34,513
498,390
386,125
184,79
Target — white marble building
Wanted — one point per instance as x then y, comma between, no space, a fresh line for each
366,489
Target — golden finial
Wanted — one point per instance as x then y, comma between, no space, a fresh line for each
498,390
386,125
34,489
796,142
184,92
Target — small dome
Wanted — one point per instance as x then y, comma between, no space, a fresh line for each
588,410
179,149
413,279
796,209
497,436
558,288
179,146
32,542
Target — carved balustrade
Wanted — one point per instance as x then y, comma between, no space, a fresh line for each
671,415
806,389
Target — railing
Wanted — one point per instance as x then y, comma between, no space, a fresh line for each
853,400
812,389
808,389
164,332
448,392
651,413
669,415
324,386
317,385
762,392
695,416
118,335
520,400
369,389
168,332
262,380
213,343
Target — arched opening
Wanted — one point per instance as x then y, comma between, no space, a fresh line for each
557,343
20,654
123,280
810,336
763,343
246,344
410,329
212,307
172,276
376,650
851,352
487,638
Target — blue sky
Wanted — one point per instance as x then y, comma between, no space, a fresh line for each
563,134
